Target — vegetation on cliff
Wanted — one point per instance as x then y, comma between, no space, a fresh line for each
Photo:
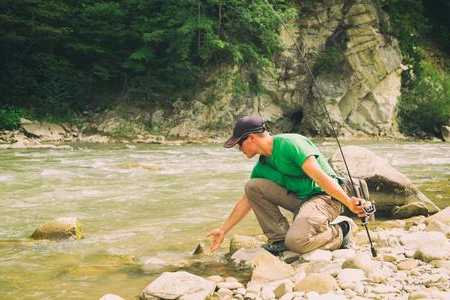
62,57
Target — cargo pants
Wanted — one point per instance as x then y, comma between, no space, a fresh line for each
310,229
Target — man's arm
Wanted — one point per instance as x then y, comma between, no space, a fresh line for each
240,210
313,170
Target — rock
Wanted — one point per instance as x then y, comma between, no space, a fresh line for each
230,285
241,241
427,253
215,278
394,194
269,268
343,254
363,262
317,255
223,292
111,297
282,288
244,257
199,249
443,216
46,132
320,283
445,131
414,240
435,225
350,278
58,229
431,293
441,263
179,285
408,264
320,267
152,264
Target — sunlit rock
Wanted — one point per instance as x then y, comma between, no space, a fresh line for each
242,241
58,229
111,297
179,285
394,194
320,283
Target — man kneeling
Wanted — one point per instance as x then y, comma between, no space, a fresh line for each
293,174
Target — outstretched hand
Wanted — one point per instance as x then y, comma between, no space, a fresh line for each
217,236
356,206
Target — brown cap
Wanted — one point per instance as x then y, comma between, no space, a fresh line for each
244,126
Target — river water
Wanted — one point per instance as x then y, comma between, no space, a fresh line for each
140,201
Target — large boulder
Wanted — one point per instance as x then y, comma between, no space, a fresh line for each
47,132
394,194
178,285
58,229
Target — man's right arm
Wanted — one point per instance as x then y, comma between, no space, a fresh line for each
240,210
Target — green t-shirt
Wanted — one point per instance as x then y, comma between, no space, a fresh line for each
283,167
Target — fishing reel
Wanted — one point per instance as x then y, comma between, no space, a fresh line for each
369,210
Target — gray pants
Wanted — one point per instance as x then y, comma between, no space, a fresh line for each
311,227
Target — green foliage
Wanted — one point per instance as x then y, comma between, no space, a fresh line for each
426,106
425,101
57,55
10,117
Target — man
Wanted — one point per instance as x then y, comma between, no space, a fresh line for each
293,174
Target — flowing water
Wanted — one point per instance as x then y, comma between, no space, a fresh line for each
140,201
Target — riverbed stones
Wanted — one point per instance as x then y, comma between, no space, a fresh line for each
46,132
179,285
394,194
427,253
318,255
442,216
408,264
269,268
59,229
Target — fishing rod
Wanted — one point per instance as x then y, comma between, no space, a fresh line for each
368,207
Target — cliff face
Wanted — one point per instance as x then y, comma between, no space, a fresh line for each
356,68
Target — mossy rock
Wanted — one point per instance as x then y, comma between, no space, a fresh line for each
59,229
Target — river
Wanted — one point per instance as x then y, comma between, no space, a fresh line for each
139,201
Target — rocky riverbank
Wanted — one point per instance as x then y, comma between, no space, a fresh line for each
413,262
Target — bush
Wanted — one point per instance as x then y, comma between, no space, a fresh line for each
10,117
425,106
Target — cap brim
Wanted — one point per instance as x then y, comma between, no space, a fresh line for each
231,142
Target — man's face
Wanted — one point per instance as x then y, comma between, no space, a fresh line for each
248,146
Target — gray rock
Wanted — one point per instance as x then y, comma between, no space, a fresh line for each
394,194
61,228
182,285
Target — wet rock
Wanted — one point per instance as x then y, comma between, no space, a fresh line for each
152,264
111,297
320,283
179,285
58,229
242,241
244,257
394,194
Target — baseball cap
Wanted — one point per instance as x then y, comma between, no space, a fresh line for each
243,127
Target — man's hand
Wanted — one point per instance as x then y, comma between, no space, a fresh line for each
217,236
356,205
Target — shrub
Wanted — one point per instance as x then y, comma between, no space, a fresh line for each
425,106
10,117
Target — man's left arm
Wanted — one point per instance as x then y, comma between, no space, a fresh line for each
313,170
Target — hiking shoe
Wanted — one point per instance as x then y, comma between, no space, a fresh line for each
276,248
347,241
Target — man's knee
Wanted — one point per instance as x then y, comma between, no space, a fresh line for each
297,242
253,188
